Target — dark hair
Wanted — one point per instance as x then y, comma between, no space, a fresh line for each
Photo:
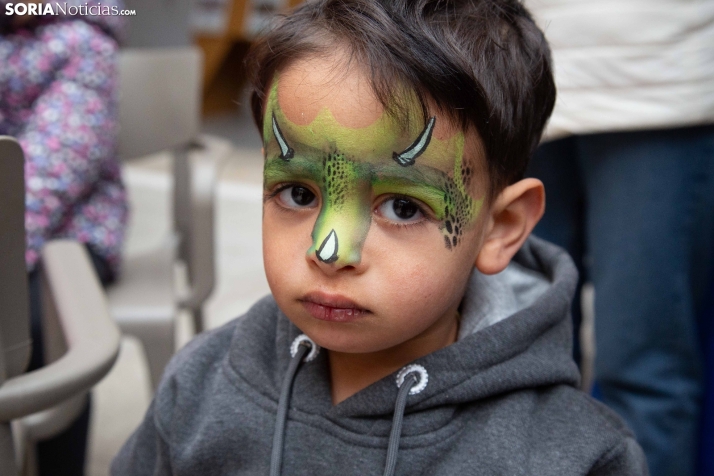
482,63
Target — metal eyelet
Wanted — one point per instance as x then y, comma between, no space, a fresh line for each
421,383
302,339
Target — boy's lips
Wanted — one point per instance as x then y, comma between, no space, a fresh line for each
332,307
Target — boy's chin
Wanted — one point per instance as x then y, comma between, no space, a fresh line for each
347,338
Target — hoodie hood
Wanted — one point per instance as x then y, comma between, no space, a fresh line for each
515,333
498,401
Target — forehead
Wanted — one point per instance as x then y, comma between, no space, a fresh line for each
327,104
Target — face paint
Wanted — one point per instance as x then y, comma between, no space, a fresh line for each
343,222
286,152
352,165
408,157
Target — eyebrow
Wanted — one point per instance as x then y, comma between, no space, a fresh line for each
421,175
277,169
428,186
430,183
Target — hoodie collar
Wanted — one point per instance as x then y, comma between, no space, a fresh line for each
523,342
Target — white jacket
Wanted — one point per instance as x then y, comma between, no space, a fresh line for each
629,64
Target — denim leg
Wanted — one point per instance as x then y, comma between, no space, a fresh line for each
556,164
650,204
706,443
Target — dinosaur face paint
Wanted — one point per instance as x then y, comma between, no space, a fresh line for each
353,165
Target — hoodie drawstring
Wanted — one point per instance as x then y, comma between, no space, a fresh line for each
301,346
407,381
408,384
396,433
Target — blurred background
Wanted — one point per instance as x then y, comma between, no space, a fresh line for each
629,74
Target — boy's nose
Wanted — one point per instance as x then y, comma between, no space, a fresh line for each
337,239
346,213
340,231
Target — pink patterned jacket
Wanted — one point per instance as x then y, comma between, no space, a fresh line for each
58,84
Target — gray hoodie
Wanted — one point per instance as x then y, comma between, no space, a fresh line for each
501,400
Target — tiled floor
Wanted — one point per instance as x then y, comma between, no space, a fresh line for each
121,399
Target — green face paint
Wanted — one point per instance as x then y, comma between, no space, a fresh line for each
352,166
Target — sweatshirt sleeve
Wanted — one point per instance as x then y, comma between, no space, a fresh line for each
625,459
146,453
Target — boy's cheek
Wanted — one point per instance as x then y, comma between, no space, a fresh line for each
286,238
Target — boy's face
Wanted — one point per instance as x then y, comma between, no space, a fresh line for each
370,229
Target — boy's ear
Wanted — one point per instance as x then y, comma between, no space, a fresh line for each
513,216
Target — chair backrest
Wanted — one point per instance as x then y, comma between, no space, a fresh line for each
15,342
159,109
159,99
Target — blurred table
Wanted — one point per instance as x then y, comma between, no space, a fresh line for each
224,51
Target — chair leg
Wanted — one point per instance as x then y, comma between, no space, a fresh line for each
198,322
159,342
7,451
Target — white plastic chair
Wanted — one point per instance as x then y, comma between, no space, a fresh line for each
159,110
81,341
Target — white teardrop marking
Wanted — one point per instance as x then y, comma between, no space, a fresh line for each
286,152
328,249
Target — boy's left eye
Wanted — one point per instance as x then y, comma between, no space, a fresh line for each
297,196
400,210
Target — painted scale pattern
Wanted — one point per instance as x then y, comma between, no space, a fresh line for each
343,178
339,172
458,213
342,210
461,209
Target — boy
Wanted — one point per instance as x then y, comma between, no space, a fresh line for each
396,133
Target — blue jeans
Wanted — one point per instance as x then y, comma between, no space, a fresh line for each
636,211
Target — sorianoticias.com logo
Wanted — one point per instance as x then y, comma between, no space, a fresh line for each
62,8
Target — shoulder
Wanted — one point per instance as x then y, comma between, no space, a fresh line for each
590,428
558,429
576,416
623,455
625,458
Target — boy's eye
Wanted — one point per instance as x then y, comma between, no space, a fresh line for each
400,210
297,196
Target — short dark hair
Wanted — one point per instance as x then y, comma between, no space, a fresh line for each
483,63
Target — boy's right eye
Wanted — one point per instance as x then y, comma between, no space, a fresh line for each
297,196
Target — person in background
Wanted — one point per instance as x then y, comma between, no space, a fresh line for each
58,84
630,180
